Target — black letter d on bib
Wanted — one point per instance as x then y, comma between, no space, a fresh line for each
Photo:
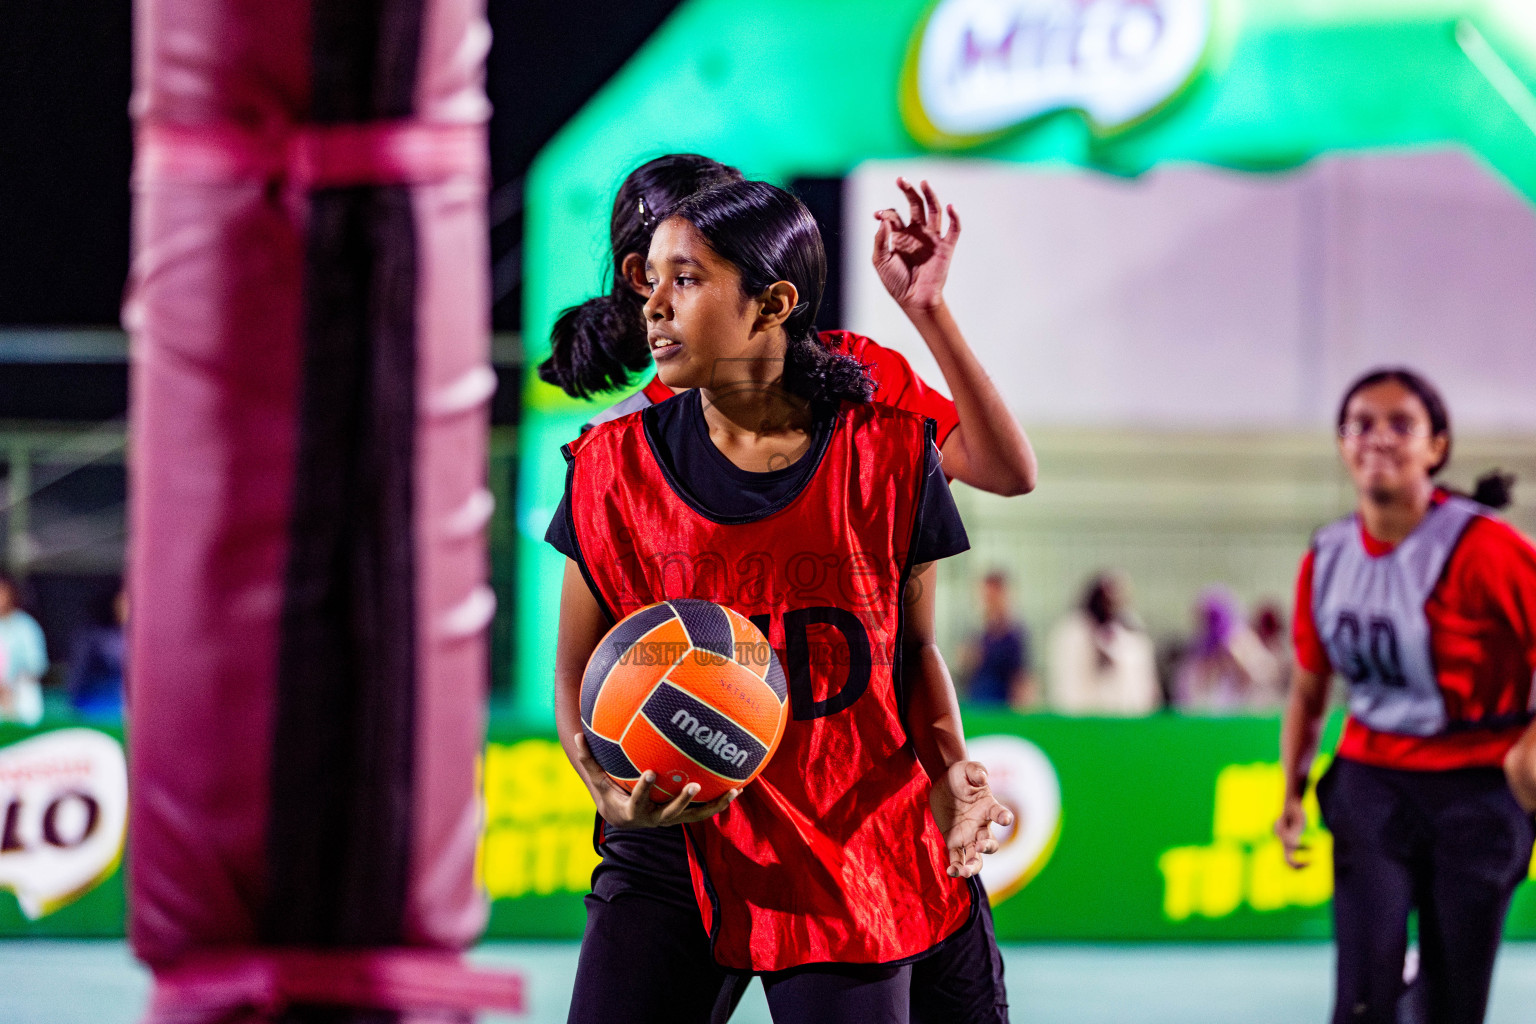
797,646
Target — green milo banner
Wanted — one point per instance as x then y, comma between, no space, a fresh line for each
1107,86
1135,829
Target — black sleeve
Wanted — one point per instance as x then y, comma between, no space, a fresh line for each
940,532
559,533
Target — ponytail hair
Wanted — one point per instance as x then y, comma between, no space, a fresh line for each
769,236
813,371
1494,489
597,346
600,344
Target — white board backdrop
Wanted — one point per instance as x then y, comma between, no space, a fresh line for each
1198,298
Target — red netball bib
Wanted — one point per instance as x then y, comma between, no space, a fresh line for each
831,855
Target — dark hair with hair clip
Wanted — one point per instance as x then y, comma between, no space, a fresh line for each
769,235
1493,489
600,344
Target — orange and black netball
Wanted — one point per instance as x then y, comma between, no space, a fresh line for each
688,689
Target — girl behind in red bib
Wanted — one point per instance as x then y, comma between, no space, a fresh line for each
847,859
1426,604
599,345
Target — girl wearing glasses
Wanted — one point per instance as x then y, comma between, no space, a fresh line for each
1426,603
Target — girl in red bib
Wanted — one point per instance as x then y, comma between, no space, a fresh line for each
596,346
1426,604
848,858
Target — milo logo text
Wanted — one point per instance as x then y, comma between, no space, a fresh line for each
981,66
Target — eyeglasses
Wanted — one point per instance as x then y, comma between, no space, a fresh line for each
1402,427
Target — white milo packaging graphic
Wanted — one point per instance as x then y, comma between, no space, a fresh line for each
986,65
63,816
1024,781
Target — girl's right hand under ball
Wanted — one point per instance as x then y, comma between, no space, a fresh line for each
636,809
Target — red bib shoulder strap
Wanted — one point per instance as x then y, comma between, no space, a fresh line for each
608,435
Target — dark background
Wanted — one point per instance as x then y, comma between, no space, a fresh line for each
66,143
66,149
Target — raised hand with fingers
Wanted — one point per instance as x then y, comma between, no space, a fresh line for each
636,809
965,810
913,257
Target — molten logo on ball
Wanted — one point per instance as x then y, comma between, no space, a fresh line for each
714,742
683,688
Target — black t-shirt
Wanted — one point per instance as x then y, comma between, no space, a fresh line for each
716,485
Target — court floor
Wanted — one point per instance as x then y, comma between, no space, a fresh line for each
98,983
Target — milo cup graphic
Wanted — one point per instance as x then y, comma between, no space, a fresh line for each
63,816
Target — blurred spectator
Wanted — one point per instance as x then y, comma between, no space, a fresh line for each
998,662
24,655
96,663
1226,665
1269,627
1102,663
1170,655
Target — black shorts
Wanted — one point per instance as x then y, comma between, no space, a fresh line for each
962,980
646,957
1451,845
652,862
